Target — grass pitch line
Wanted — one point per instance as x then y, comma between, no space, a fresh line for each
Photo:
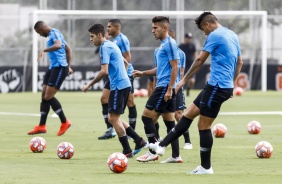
24,114
252,113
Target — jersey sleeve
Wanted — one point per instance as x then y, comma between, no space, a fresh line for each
104,55
125,45
55,36
183,60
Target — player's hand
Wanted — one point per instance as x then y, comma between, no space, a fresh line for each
85,88
41,54
70,71
137,73
168,95
179,85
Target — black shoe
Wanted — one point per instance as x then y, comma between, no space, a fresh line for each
128,155
110,133
139,145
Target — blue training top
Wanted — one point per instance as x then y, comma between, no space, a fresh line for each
111,55
223,45
124,45
58,57
181,63
167,52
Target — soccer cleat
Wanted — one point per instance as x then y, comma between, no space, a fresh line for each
172,160
129,155
64,127
148,157
158,149
188,146
201,170
110,133
138,146
40,129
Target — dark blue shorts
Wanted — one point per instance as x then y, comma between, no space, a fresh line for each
210,99
55,76
180,100
156,101
118,100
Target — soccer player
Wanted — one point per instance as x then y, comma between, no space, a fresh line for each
189,48
114,30
226,63
112,64
162,101
60,56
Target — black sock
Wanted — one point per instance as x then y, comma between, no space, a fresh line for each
44,110
125,145
105,115
174,144
186,137
181,127
149,130
130,132
157,126
132,116
57,108
206,142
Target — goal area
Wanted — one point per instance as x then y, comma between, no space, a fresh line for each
251,27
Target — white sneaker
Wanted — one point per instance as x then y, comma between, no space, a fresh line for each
188,146
148,157
158,149
201,170
172,160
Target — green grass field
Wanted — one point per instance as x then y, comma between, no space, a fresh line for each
233,157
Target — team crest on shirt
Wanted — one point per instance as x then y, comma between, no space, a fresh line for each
161,46
115,41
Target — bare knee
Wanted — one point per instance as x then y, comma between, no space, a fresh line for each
178,115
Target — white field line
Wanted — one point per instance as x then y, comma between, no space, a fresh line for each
23,114
252,113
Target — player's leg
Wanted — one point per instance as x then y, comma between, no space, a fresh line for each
180,106
110,132
157,126
56,79
211,101
131,105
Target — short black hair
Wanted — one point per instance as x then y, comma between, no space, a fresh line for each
160,19
115,21
38,24
205,16
96,29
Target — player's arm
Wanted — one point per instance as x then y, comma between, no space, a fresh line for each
137,73
182,72
69,57
125,63
57,45
238,67
103,73
127,56
196,65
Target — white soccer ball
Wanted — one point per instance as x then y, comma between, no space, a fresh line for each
263,149
219,130
65,150
254,127
37,144
117,162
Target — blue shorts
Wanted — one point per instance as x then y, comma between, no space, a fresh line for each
118,100
210,99
55,76
156,101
